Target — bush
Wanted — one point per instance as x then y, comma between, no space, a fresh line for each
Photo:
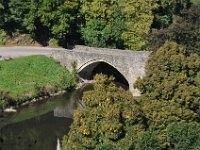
53,43
3,104
3,37
21,39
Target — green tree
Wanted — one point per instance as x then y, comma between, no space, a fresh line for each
4,14
170,71
111,119
104,23
183,136
1,13
159,114
166,9
148,141
170,89
185,30
101,33
45,18
138,20
116,22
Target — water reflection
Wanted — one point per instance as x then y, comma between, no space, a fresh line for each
67,110
38,126
38,133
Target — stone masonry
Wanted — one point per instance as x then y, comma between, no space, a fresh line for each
131,64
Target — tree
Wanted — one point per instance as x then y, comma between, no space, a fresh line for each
165,11
170,71
184,30
183,136
4,13
104,23
111,119
45,19
138,20
159,114
1,13
148,141
117,22
101,33
170,89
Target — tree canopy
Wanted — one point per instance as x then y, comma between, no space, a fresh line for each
170,89
172,74
185,30
124,24
125,20
111,119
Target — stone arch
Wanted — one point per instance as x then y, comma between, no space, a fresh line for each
88,68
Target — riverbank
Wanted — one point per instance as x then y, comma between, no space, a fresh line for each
33,77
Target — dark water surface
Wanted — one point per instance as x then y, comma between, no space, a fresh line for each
39,125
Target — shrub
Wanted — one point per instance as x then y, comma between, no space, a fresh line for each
53,43
3,37
75,71
3,104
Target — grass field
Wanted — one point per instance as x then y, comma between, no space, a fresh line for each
26,77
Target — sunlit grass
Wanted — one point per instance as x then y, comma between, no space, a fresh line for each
22,76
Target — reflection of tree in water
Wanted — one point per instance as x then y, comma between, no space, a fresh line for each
41,133
73,103
38,133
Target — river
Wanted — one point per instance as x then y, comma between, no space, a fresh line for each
38,126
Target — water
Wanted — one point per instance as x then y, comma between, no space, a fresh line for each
39,126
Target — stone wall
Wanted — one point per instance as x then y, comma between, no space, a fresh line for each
131,64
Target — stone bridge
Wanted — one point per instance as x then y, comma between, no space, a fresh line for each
129,64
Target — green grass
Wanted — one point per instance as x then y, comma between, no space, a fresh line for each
196,1
23,77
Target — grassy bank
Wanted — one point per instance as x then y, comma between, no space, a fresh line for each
25,78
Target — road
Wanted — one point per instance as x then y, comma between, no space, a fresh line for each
13,52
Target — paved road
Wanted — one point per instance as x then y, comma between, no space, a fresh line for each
12,52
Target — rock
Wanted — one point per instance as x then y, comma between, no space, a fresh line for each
9,110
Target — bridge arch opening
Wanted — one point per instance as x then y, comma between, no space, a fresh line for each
88,72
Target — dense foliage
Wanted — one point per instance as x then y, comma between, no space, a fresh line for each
124,24
173,74
170,90
185,30
166,116
45,19
110,120
116,22
184,136
25,78
166,9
